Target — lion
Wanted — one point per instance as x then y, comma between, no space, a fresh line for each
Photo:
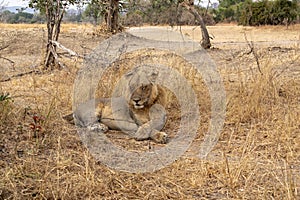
136,108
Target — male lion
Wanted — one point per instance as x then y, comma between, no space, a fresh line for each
137,109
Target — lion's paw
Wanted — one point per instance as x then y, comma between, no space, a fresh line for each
142,133
98,128
160,137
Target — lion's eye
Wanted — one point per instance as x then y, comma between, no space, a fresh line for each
144,87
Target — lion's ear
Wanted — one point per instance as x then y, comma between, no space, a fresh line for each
153,76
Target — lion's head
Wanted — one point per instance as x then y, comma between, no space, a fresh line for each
142,90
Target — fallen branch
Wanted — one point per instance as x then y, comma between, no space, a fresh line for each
71,52
20,75
52,51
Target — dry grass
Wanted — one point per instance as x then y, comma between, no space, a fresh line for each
263,34
257,156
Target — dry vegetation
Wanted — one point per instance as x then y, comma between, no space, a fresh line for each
257,156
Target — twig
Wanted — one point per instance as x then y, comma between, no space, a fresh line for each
4,47
11,62
84,47
4,58
207,6
20,75
252,50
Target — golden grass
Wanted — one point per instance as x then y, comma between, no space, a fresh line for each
24,26
21,26
65,27
257,156
229,34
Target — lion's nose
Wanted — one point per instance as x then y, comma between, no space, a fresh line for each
136,100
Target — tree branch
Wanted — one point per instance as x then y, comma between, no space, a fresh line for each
72,53
252,50
19,75
4,47
4,58
205,43
9,60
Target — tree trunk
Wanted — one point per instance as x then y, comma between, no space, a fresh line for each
54,18
205,43
112,18
95,20
49,59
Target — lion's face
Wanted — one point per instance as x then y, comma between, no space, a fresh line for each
143,96
143,91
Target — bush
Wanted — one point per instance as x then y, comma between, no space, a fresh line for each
268,12
165,15
133,19
5,107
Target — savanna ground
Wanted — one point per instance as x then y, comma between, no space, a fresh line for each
257,155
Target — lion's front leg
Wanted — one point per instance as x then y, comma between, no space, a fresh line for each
146,131
158,117
152,129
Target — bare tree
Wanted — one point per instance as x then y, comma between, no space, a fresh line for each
54,11
189,5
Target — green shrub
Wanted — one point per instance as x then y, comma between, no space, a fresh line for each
268,12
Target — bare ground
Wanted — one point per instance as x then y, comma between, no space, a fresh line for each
257,156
